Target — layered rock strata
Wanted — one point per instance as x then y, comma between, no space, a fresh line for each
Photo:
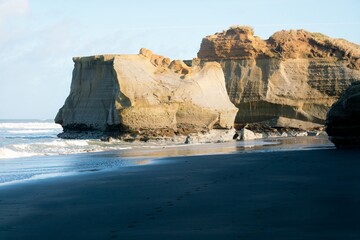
294,74
145,94
343,119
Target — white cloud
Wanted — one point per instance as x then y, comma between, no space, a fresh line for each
9,8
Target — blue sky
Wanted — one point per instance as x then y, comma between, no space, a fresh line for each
39,37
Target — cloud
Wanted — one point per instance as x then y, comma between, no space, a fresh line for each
10,8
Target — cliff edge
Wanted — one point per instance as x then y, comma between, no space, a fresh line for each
295,75
343,119
145,94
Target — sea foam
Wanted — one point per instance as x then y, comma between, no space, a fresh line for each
29,125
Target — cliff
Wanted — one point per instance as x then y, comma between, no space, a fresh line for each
145,94
343,119
294,75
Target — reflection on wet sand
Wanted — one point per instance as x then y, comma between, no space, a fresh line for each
143,162
225,148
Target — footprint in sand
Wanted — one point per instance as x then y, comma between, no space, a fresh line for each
180,197
151,215
158,209
114,234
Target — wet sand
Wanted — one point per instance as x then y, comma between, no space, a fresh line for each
313,194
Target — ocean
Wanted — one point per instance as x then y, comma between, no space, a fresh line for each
31,150
26,138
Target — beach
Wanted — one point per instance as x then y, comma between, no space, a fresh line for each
264,194
191,120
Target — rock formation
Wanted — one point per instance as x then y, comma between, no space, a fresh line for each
145,94
294,75
343,119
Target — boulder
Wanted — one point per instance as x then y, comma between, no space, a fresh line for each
282,122
343,119
246,134
294,74
145,94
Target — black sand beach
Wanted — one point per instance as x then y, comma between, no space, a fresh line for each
312,194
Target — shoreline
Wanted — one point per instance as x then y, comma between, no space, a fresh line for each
40,168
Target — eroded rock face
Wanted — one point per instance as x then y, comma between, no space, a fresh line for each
343,119
146,94
294,74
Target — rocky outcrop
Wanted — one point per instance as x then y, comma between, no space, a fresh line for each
145,94
294,74
343,119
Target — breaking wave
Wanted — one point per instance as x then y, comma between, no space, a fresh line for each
29,125
38,138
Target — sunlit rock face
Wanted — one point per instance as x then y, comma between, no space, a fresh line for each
146,94
294,74
343,119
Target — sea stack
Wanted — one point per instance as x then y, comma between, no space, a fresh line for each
146,95
343,119
288,80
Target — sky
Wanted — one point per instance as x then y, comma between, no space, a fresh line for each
38,38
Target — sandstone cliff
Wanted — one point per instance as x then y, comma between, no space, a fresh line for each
343,119
294,74
146,94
